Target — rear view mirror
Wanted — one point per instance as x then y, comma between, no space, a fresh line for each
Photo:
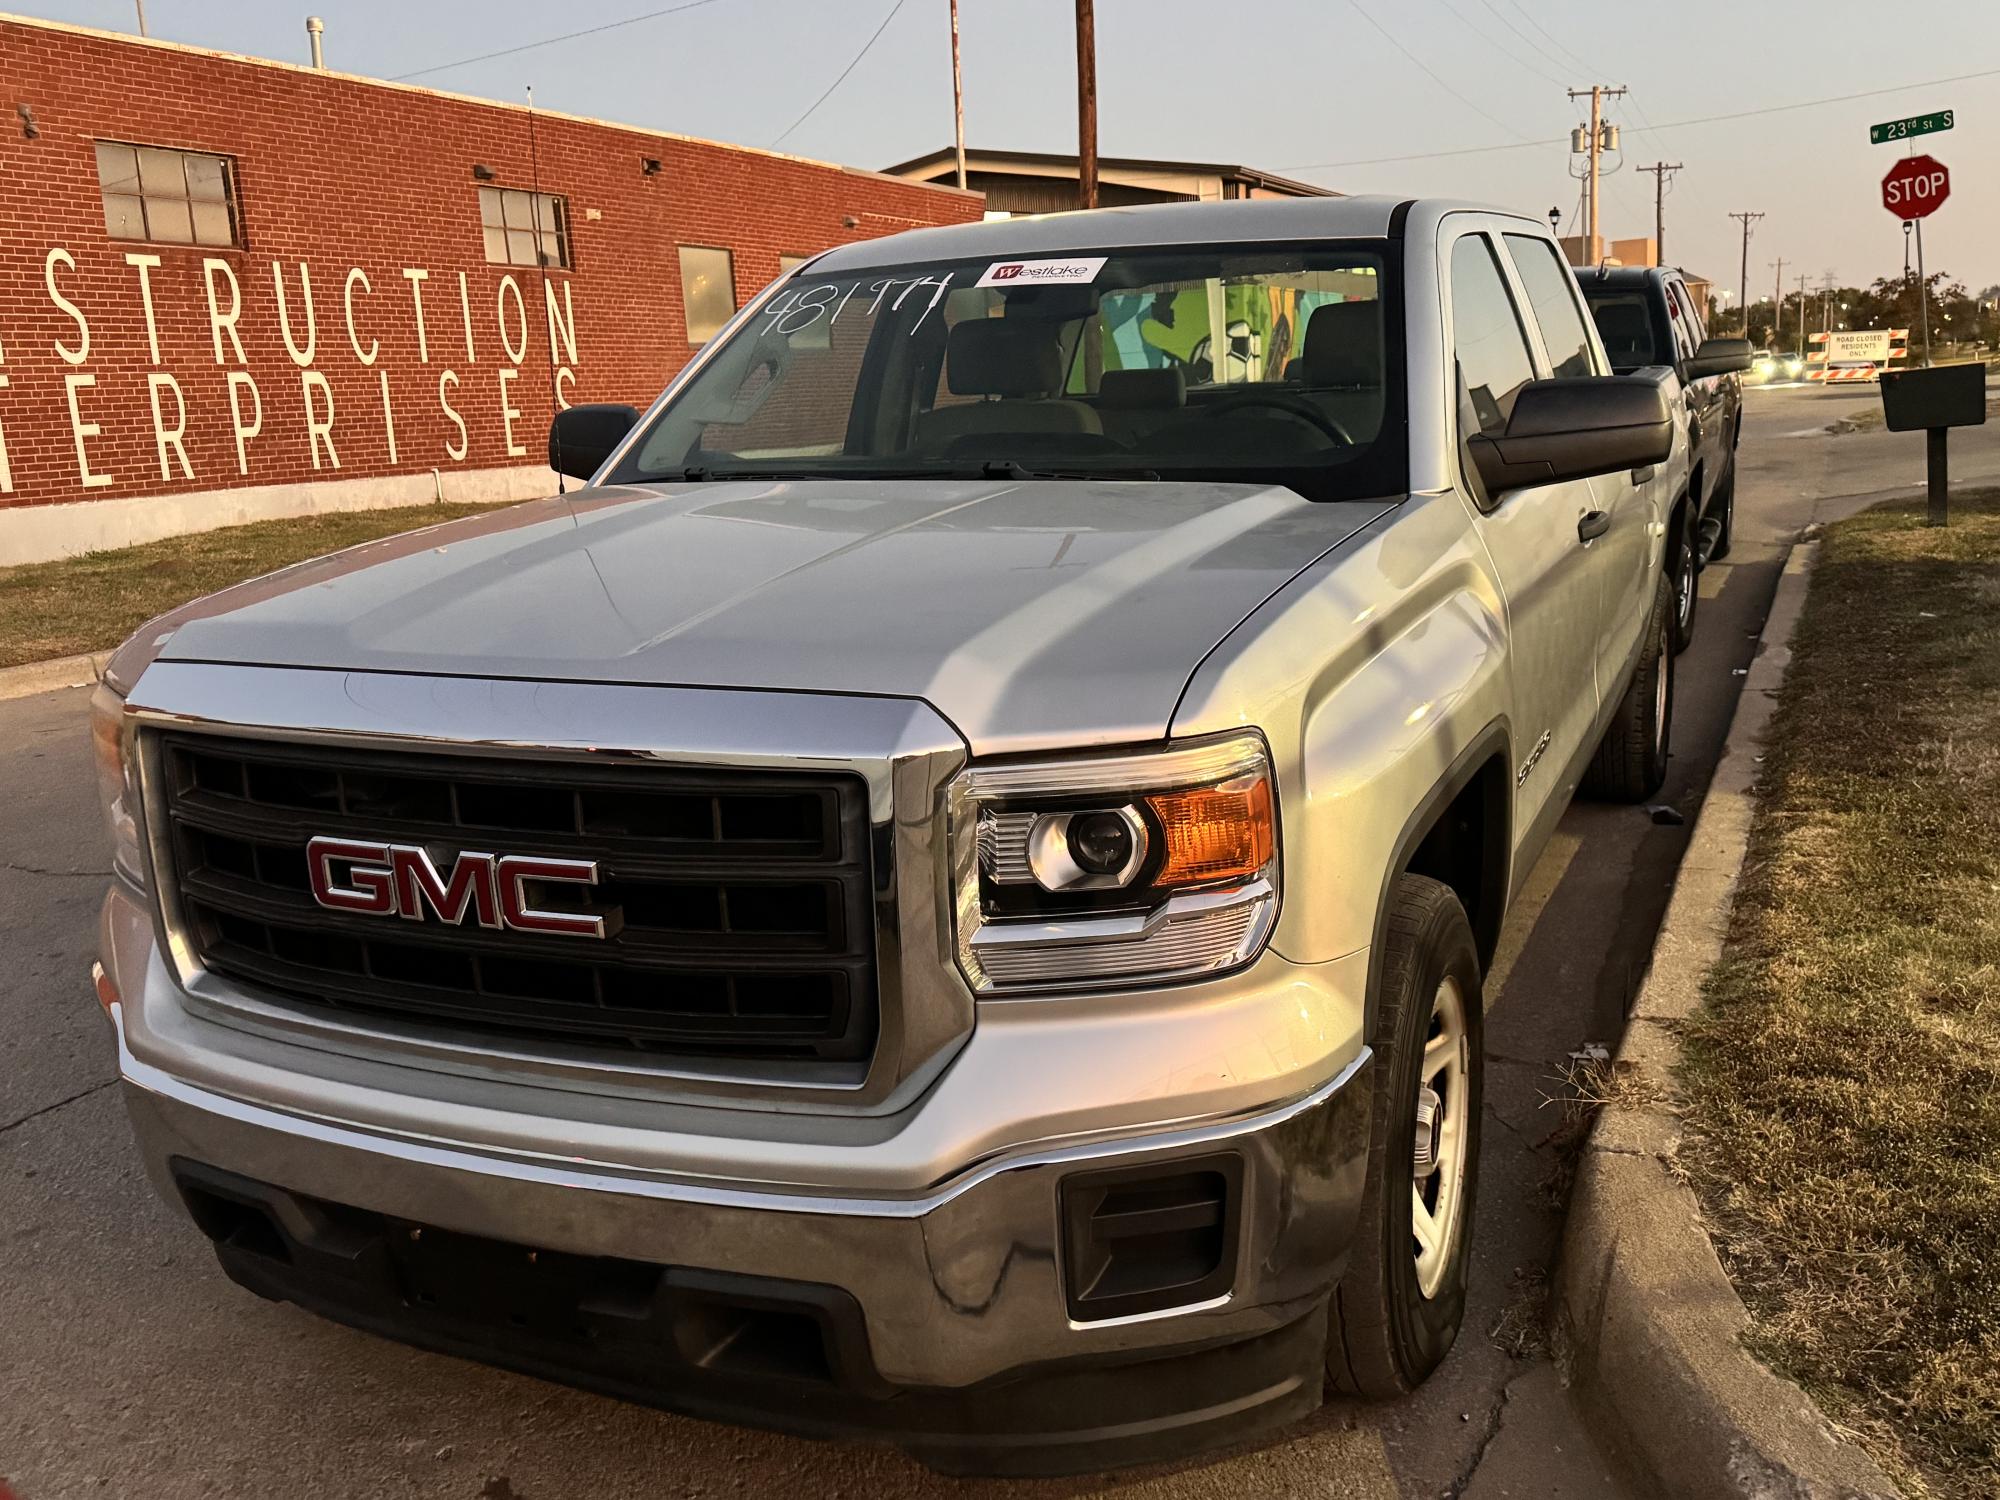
582,437
1719,357
1572,429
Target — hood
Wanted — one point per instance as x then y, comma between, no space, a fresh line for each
1029,613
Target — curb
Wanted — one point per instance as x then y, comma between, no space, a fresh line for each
47,676
1648,1324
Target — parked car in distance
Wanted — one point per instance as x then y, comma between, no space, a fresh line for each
1771,366
943,896
1647,319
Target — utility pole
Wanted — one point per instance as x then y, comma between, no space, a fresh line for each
1662,174
1778,302
957,99
1802,319
1748,219
1602,138
142,15
1086,103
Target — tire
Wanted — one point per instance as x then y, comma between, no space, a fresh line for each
1724,505
1397,1308
1683,570
1631,759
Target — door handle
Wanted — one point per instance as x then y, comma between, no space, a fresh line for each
1594,524
1642,476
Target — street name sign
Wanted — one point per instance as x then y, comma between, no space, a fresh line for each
1915,187
1902,130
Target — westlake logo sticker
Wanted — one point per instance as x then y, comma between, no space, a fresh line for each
1042,272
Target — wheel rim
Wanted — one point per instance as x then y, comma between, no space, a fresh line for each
1437,1183
1684,583
1662,689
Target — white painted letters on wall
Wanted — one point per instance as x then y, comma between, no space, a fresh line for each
81,352
300,357
165,437
388,414
80,430
354,274
144,264
457,453
465,311
508,412
417,276
239,382
508,284
318,431
220,322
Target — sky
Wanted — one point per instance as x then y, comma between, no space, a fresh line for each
1330,91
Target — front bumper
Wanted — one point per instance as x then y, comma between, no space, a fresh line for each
941,1313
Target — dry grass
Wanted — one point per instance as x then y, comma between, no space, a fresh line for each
93,602
1844,1078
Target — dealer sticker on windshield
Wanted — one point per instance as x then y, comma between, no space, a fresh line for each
1042,272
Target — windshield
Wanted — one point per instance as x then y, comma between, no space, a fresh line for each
1625,323
1246,363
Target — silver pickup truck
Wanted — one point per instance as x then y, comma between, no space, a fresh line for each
942,896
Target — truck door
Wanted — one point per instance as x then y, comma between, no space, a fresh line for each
1708,427
1623,555
1546,573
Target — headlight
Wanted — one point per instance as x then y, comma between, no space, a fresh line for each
117,779
1152,867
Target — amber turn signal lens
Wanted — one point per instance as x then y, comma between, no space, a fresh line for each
1214,833
107,992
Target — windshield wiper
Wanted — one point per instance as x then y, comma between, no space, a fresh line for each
1007,468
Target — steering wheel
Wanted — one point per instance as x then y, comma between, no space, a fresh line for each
1292,406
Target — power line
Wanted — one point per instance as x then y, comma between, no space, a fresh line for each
550,41
1498,46
1560,46
865,46
1424,68
1741,114
1533,45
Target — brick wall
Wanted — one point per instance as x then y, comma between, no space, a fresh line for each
370,187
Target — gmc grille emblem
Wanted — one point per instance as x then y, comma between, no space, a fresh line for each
400,880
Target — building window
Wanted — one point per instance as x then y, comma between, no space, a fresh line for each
175,197
708,291
788,263
524,229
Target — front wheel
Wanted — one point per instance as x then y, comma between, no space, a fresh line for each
1397,1309
1724,505
1684,568
1631,759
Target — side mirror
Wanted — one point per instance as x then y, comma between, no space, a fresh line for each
1572,429
1719,357
581,438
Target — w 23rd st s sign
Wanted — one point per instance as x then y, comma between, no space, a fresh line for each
1915,187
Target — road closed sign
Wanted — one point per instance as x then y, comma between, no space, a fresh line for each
1857,346
1915,187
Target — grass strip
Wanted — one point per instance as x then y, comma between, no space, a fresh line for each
1844,1075
92,602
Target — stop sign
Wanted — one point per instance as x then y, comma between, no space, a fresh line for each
1915,187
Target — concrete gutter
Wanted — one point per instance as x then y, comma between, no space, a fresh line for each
1648,1325
47,676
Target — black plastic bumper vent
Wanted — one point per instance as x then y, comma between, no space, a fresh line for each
1139,1239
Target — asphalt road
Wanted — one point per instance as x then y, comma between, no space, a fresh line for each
130,1366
